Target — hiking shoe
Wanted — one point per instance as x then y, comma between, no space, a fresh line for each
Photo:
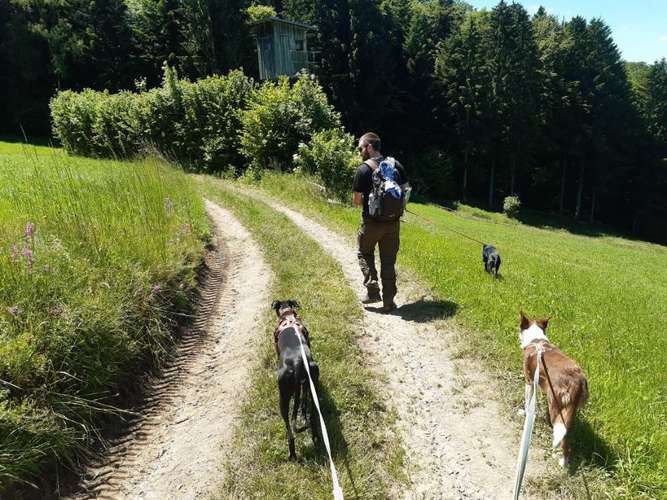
372,293
371,298
387,308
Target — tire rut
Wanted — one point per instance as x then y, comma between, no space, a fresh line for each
175,448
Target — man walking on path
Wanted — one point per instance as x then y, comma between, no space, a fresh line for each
385,233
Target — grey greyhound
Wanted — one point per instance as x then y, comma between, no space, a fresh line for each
292,375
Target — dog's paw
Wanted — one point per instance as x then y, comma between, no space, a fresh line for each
292,457
521,412
563,462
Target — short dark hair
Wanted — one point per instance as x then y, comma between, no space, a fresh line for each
373,139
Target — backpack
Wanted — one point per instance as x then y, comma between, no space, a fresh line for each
385,201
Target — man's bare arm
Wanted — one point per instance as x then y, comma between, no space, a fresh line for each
357,198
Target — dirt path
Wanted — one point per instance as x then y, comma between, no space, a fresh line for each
176,450
459,444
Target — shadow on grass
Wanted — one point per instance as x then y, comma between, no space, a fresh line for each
545,220
317,451
422,310
32,141
589,448
539,219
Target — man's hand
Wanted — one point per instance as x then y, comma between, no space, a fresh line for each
357,198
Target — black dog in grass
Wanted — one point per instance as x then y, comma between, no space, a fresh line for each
491,259
292,375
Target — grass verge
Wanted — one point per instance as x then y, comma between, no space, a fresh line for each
605,296
97,262
365,446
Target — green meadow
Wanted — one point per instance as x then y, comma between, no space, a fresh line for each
98,264
605,296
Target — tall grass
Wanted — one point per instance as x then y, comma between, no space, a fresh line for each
97,262
606,297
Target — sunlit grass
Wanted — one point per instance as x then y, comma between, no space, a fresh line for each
97,262
606,295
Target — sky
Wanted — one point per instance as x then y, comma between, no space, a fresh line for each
638,27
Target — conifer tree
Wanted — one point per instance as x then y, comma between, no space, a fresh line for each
334,41
514,82
464,79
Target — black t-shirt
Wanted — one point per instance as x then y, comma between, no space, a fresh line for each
363,180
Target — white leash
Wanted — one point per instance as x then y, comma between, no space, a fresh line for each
527,427
337,490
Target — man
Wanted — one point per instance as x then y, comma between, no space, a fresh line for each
372,232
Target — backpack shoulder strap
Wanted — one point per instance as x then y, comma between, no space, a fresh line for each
373,164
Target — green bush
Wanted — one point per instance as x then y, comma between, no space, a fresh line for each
97,124
260,12
214,125
73,116
279,117
194,124
330,156
511,206
213,119
115,131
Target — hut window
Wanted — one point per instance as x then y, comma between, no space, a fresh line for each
298,44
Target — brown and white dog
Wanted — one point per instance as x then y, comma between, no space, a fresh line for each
561,380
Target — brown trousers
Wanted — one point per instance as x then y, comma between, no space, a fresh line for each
387,236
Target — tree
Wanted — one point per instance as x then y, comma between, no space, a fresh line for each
656,103
372,67
464,77
429,24
655,113
26,76
560,105
112,53
334,41
611,116
233,46
514,82
160,27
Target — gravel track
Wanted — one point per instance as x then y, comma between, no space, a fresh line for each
459,443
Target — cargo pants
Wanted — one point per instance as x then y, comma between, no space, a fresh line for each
386,235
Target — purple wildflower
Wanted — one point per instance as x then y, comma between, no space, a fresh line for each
156,288
29,230
55,310
14,253
27,253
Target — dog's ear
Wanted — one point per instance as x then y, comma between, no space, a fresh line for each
293,303
542,323
276,305
525,322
